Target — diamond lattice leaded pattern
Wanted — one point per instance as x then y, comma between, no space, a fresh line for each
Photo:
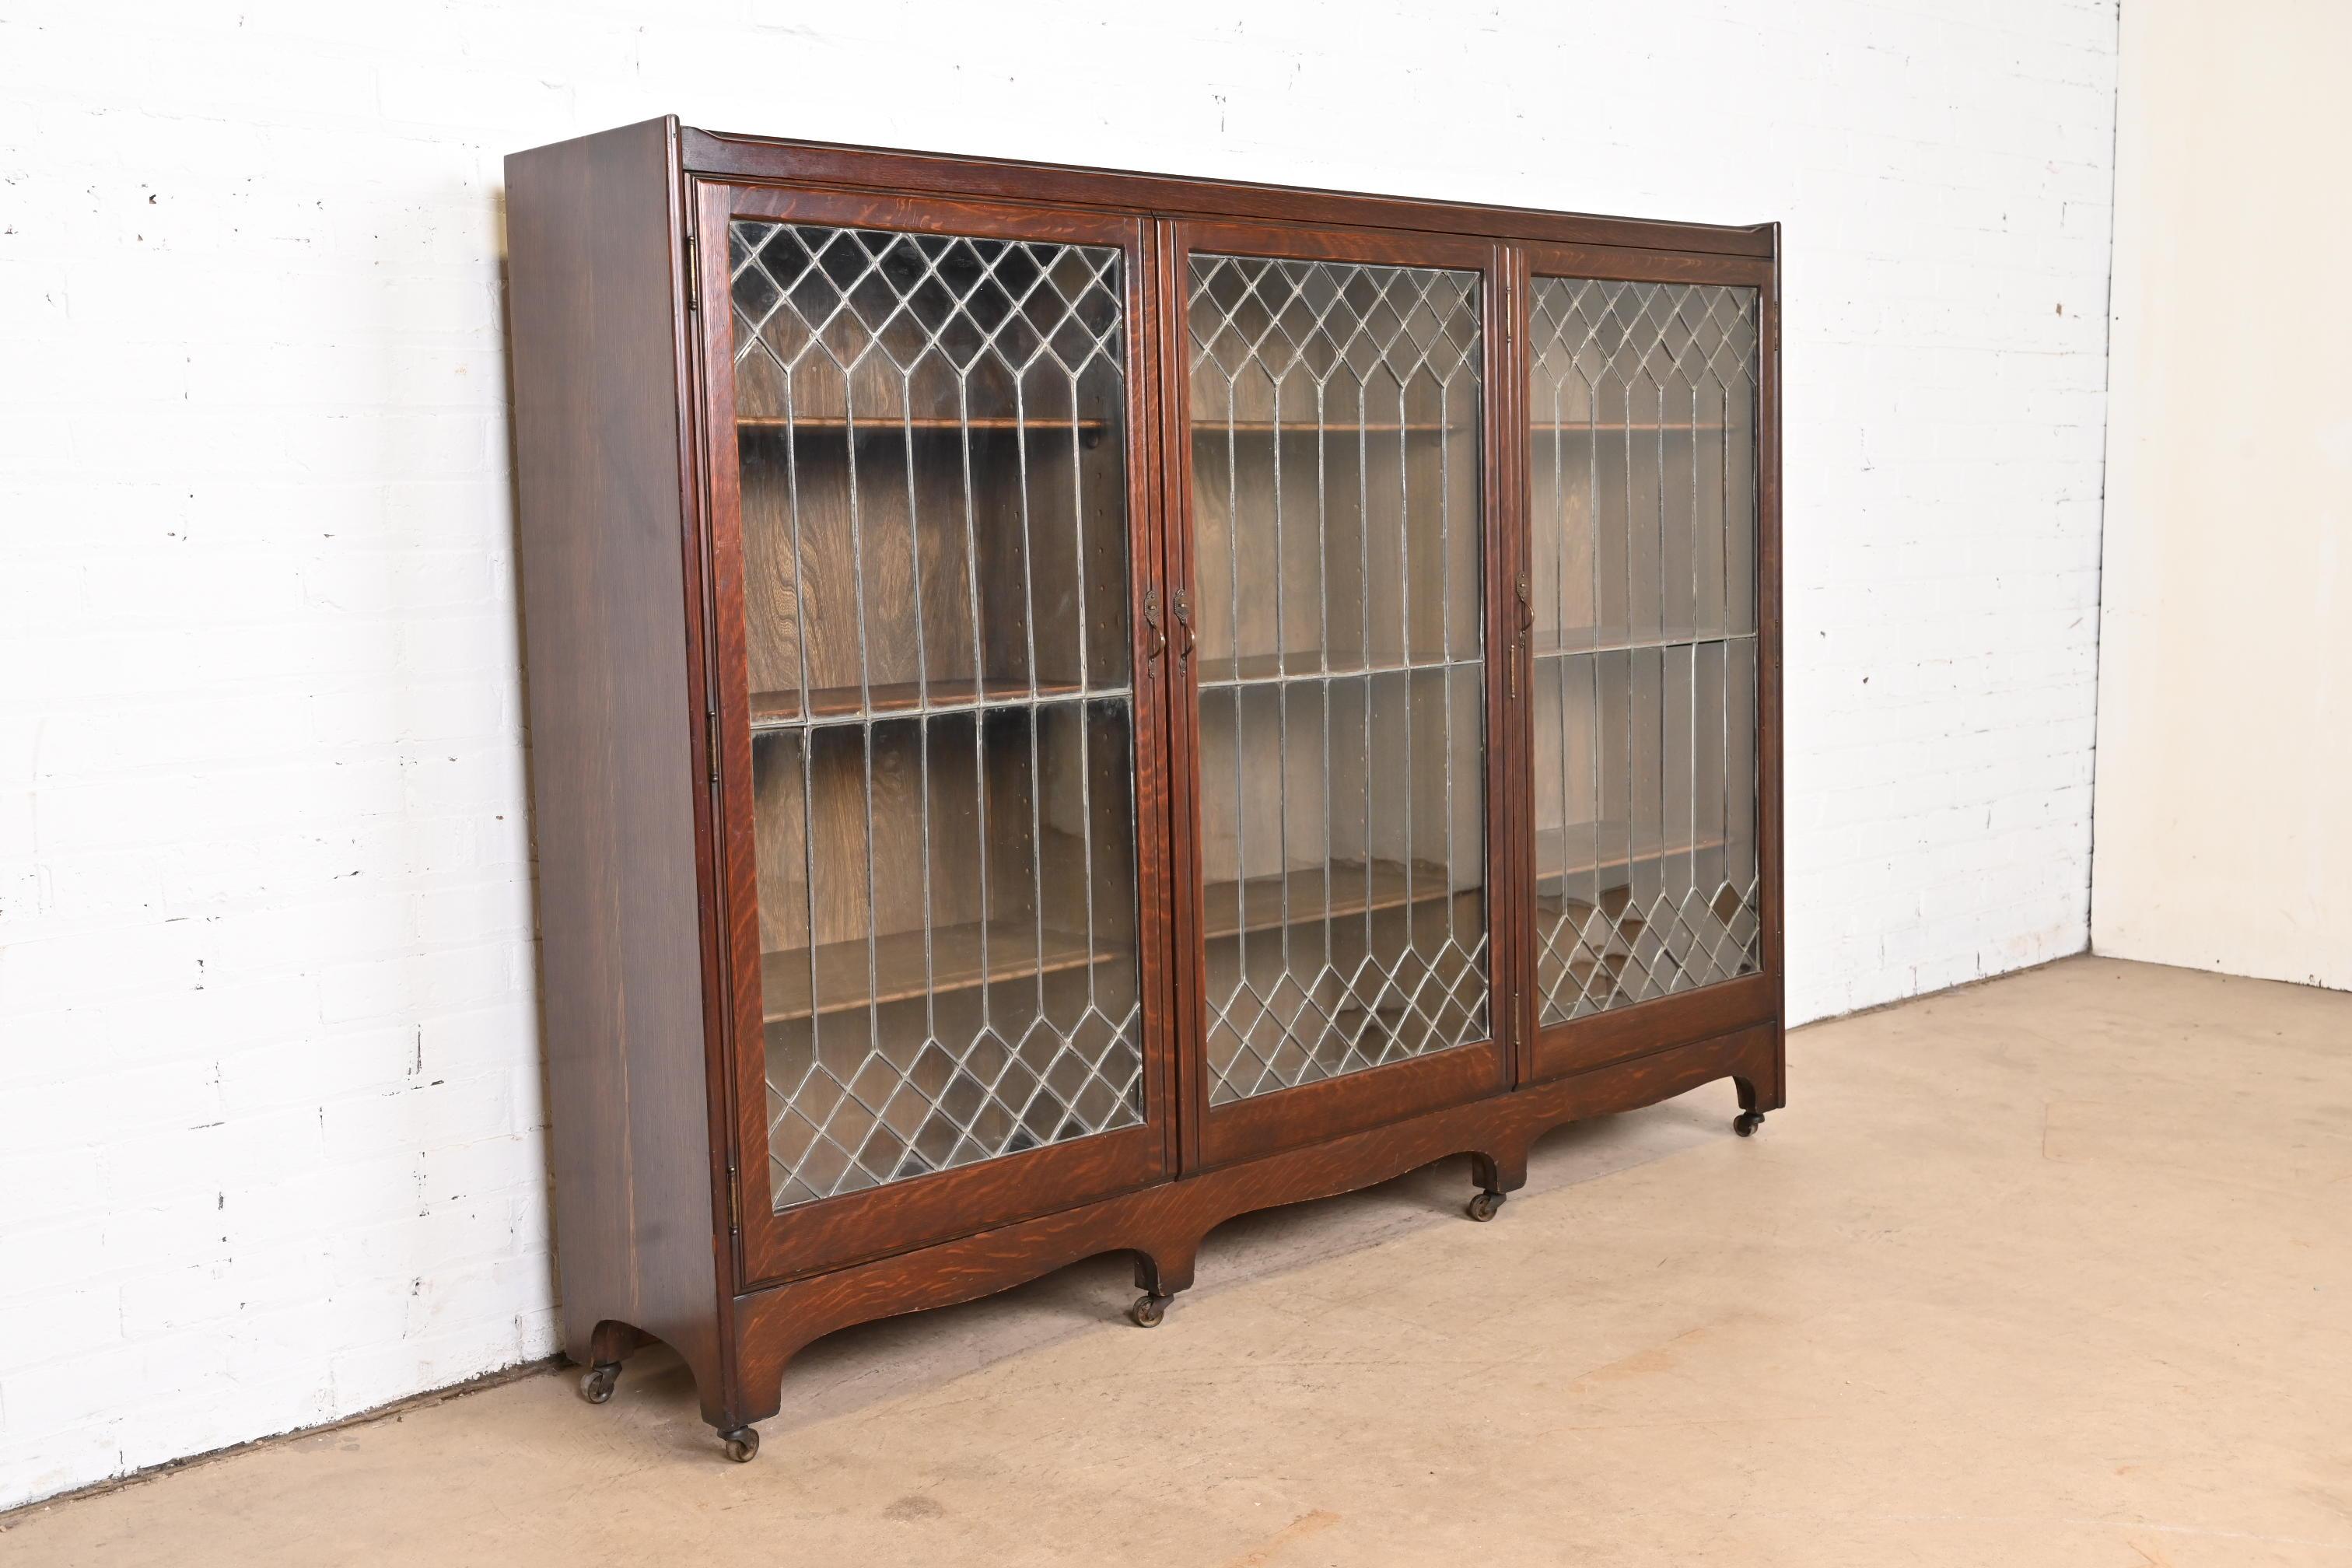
931,442
1335,453
1642,451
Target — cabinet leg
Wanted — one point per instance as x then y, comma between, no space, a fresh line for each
1757,1095
1160,1275
596,1382
608,1342
1498,1176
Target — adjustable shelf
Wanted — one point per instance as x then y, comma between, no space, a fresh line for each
1618,639
947,694
1269,669
882,424
1616,848
1621,427
851,977
1215,427
1305,897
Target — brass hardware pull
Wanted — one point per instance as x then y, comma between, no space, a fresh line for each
1159,644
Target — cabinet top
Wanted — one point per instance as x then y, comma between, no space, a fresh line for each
778,160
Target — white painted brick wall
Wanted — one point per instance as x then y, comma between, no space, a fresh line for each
270,1075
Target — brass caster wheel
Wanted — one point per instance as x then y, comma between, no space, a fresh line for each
596,1382
1484,1207
1149,1310
1747,1122
742,1444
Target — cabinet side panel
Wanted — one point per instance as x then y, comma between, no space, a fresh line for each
592,238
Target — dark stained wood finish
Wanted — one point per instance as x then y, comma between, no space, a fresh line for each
635,586
1164,1225
1768,648
1622,1032
1574,260
779,1245
607,497
1180,725
1752,1000
1508,588
808,164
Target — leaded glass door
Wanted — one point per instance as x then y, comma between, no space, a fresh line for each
1642,452
940,705
1335,449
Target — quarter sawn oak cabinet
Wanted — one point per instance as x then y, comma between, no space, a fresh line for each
1070,706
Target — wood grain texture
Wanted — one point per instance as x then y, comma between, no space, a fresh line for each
1029,600
663,617
940,174
1770,638
593,248
1164,1224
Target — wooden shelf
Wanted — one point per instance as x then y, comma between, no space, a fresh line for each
1616,639
951,692
850,978
1230,909
1552,851
1215,427
1255,668
1608,427
1210,427
893,424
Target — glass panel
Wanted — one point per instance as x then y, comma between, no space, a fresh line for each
1336,465
933,453
1642,458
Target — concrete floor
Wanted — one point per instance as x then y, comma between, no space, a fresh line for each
2055,1269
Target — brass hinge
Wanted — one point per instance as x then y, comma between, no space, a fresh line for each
693,276
734,1202
710,741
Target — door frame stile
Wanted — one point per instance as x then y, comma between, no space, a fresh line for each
1769,640
1188,1016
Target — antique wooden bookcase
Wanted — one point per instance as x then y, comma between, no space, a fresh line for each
1068,706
